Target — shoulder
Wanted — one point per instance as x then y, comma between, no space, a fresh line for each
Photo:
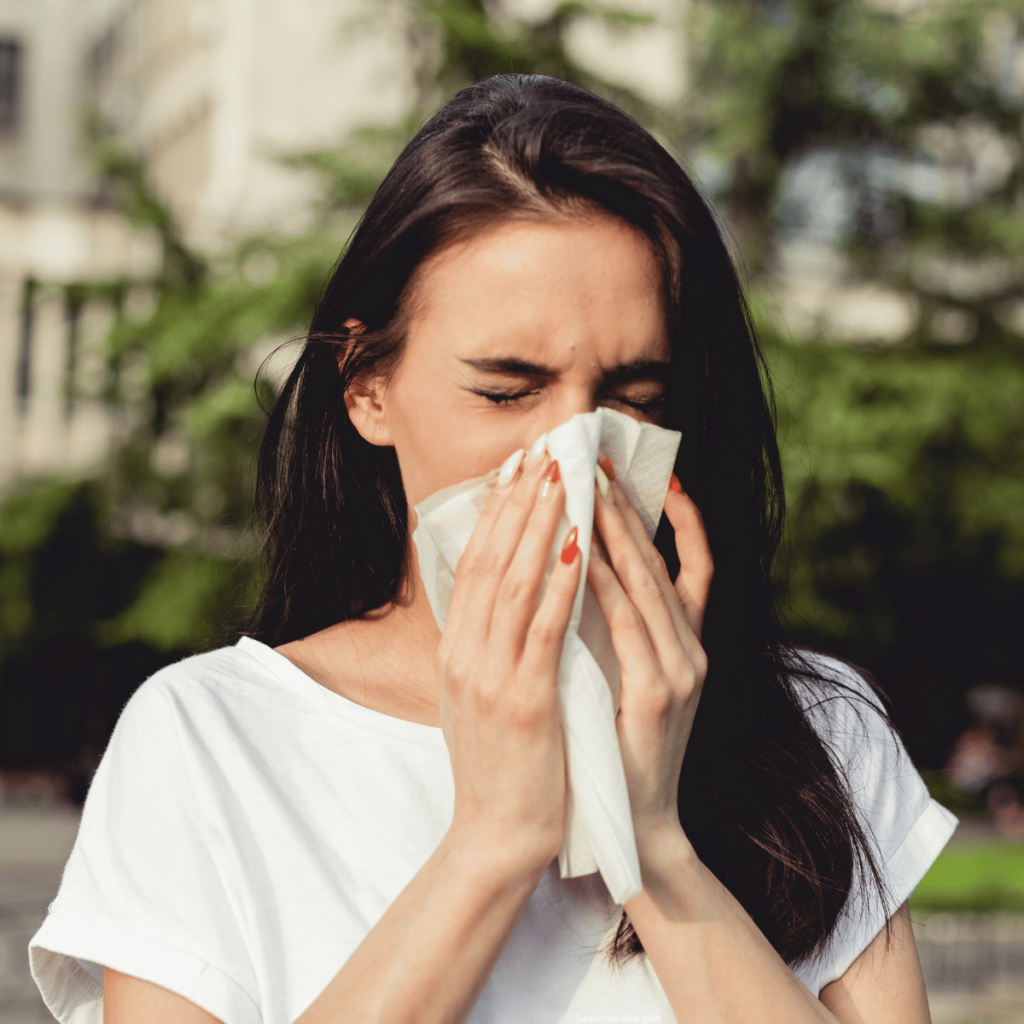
199,702
888,794
841,704
905,828
227,676
180,745
818,677
847,713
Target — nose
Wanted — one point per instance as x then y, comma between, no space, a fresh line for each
570,402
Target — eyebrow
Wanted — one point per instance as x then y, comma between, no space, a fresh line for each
638,369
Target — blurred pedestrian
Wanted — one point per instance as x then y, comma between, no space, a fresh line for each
988,758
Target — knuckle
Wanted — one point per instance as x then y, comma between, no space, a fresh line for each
522,499
699,660
458,672
625,619
513,589
683,673
486,698
659,568
544,633
528,711
484,563
656,697
523,715
648,588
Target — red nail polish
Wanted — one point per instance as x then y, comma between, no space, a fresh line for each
673,482
550,480
570,547
609,469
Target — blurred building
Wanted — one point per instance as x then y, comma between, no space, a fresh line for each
51,235
214,95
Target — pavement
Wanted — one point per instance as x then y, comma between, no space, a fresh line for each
973,966
973,963
34,844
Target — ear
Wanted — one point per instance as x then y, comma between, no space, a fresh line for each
365,398
365,401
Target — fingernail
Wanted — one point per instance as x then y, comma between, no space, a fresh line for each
609,469
673,482
570,547
602,481
550,480
509,468
538,448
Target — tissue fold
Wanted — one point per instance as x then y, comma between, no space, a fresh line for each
598,828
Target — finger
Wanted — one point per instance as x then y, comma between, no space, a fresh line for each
546,634
655,601
696,567
480,574
519,590
508,474
648,552
629,635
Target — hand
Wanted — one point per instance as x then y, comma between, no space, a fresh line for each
497,665
655,628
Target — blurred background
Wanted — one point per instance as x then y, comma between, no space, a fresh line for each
177,178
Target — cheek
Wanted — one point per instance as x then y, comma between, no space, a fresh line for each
435,446
440,444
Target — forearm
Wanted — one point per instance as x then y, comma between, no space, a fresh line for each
712,960
429,956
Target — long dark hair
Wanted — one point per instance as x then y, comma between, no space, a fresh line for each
760,798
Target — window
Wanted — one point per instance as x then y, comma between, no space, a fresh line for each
10,85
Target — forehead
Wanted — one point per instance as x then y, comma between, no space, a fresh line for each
548,287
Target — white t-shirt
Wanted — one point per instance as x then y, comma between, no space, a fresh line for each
247,827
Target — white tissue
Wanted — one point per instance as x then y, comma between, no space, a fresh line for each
599,828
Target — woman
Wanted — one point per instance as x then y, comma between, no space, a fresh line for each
280,831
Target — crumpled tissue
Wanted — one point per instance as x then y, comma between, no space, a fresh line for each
599,828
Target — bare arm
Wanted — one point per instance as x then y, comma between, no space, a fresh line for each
715,964
425,960
713,960
884,983
126,998
882,986
431,953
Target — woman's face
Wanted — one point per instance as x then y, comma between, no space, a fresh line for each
515,330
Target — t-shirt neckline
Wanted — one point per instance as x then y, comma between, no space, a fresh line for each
287,671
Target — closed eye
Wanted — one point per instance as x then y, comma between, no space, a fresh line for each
649,405
504,397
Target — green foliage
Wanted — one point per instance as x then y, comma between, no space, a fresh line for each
472,44
905,481
897,100
988,876
475,46
123,178
176,606
904,464
103,580
352,174
63,576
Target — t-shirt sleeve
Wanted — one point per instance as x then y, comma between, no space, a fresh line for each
906,827
143,891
